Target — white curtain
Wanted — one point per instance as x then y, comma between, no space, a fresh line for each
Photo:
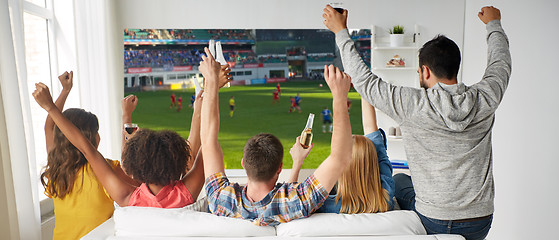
97,69
21,189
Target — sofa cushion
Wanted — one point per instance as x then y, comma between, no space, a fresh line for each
366,224
180,222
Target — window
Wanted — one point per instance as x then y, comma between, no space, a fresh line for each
248,73
37,65
36,55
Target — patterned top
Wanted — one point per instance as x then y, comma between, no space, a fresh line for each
286,202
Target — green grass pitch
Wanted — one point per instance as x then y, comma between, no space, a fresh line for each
254,113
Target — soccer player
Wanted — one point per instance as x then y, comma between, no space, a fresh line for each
293,104
192,99
173,102
180,104
298,102
279,89
276,97
231,106
326,119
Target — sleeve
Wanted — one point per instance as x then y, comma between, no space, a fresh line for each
311,194
221,195
330,205
499,65
396,101
385,167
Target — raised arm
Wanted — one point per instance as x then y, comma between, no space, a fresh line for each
499,64
211,150
194,180
397,102
340,151
194,136
129,104
66,79
369,117
119,190
298,154
377,137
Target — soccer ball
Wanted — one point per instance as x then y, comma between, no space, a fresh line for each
320,85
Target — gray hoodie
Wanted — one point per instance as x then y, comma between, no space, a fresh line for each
446,129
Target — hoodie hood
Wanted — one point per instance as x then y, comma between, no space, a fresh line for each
454,105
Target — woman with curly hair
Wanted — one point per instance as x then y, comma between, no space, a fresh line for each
158,160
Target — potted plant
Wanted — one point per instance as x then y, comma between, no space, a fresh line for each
397,36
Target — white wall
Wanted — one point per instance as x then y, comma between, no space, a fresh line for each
525,145
526,124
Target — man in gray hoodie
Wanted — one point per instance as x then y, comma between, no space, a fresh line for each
446,126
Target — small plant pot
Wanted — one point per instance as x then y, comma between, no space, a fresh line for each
396,40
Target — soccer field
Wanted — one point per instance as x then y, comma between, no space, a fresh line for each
254,113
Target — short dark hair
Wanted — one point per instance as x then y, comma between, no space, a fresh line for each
262,156
156,157
442,56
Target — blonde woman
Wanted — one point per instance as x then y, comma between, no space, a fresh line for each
367,185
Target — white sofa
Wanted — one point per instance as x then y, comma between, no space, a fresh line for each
186,223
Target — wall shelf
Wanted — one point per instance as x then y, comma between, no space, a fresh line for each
381,53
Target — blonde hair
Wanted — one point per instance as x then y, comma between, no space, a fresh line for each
359,186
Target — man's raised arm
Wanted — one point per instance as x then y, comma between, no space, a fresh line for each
499,64
211,150
340,154
395,101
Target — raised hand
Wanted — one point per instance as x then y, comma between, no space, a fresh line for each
129,104
42,96
198,101
66,79
224,76
210,69
488,14
333,20
338,81
298,154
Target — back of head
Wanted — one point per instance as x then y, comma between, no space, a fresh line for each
442,56
65,160
359,186
156,157
262,156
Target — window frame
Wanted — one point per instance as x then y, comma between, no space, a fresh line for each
46,205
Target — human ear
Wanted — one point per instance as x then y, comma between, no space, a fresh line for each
279,169
426,72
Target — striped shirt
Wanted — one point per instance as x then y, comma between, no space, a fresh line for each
286,202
